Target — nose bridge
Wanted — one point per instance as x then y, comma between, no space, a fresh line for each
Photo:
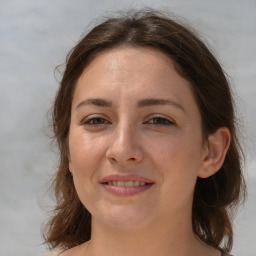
125,144
125,131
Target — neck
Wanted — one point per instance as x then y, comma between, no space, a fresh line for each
176,238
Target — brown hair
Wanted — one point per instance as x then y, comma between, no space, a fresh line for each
214,197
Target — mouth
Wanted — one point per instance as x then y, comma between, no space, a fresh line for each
126,185
130,183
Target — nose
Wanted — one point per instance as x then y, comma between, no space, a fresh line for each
125,146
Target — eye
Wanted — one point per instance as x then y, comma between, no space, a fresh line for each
161,121
95,121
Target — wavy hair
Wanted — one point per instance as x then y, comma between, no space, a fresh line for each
215,197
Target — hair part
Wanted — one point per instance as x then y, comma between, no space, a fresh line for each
215,197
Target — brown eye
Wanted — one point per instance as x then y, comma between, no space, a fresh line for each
160,121
95,121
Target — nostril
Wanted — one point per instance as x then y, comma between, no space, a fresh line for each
124,154
112,159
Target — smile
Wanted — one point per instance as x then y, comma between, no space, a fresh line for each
126,185
130,183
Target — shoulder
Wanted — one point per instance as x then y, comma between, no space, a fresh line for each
77,250
54,253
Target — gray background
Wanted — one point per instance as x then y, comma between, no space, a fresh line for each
35,36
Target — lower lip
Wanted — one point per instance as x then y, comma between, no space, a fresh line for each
126,191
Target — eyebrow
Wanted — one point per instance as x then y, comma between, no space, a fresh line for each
141,103
95,101
154,101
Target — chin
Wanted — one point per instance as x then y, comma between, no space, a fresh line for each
123,217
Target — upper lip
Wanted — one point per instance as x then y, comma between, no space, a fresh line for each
129,177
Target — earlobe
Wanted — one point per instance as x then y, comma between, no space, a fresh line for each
217,147
70,166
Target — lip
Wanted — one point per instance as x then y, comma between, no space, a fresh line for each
126,191
126,178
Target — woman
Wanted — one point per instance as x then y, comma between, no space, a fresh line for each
150,162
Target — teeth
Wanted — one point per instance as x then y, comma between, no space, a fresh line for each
129,183
136,183
120,183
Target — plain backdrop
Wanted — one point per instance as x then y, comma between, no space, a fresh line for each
35,36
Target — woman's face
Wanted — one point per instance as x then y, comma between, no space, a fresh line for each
135,139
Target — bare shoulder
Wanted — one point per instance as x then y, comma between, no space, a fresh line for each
77,250
54,253
69,252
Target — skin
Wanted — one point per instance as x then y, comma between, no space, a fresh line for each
162,142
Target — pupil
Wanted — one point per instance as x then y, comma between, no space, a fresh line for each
159,121
98,120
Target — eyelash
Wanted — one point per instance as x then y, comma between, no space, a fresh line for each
163,121
98,120
91,121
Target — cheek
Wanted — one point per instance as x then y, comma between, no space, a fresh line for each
85,157
84,154
178,168
178,150
179,161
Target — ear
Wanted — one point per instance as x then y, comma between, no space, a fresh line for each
215,152
70,166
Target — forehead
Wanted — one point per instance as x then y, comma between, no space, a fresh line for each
130,72
123,56
125,76
130,67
